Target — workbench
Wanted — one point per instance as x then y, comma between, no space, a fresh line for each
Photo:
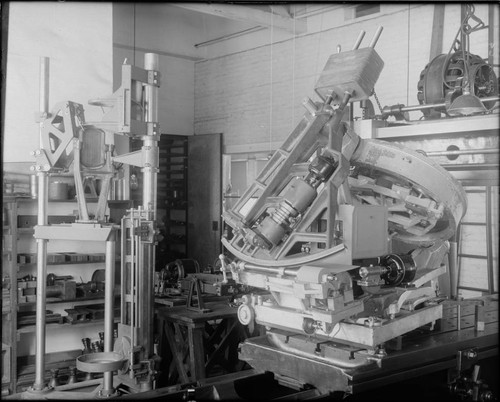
181,299
198,341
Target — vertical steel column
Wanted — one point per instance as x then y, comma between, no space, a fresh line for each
150,143
489,241
149,195
41,262
453,265
44,90
41,289
123,264
109,304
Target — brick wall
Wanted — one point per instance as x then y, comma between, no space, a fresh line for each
254,96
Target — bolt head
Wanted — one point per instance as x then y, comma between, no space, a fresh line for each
471,354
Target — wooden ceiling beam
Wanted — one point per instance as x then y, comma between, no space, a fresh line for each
249,14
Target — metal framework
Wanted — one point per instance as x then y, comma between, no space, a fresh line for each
133,111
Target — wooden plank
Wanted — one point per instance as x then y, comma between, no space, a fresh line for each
176,353
437,31
196,353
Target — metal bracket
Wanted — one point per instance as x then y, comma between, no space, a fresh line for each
470,386
145,231
154,78
195,286
466,358
42,162
153,130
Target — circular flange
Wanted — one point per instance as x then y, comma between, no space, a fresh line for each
99,362
245,314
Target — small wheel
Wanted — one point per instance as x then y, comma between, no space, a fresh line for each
246,314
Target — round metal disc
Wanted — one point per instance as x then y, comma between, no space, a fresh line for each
99,362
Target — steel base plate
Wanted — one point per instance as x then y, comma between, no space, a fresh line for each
299,369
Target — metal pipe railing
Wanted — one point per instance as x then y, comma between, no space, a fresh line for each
388,110
464,152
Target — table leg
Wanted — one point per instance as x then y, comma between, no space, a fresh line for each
223,345
196,353
176,353
161,332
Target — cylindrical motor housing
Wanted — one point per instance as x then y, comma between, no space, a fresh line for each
296,200
320,169
401,269
298,197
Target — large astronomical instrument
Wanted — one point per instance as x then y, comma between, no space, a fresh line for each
324,232
425,202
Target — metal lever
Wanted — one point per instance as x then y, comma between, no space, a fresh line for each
223,268
376,36
358,41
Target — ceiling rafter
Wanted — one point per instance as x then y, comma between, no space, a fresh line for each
250,15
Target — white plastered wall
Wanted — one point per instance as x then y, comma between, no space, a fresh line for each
138,29
77,38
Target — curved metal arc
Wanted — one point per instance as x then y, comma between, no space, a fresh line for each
436,183
285,262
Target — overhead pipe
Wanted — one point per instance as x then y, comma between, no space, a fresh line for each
464,152
388,110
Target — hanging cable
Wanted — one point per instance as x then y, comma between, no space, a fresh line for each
293,73
462,42
319,46
408,61
134,34
271,87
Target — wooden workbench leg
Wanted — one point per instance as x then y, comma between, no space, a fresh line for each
161,334
196,353
176,353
